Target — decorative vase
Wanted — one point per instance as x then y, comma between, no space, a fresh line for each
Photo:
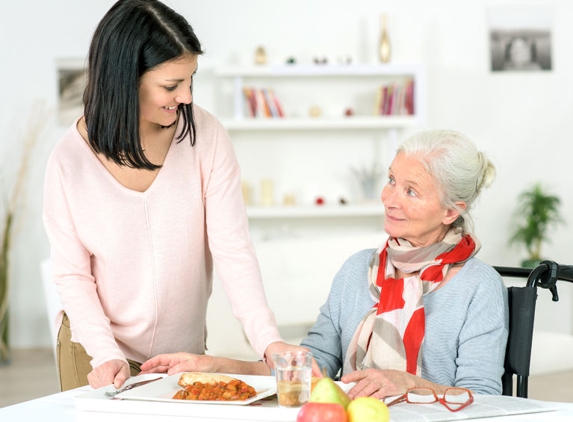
260,56
370,189
368,177
267,193
384,45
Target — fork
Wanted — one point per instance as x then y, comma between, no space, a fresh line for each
114,393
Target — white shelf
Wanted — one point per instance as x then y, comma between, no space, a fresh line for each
318,70
241,75
316,211
291,123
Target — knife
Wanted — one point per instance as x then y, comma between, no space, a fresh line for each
130,386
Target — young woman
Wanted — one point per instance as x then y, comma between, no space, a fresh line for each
422,310
142,200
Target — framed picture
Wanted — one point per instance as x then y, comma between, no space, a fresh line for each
520,38
71,75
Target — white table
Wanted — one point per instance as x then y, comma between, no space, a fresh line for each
61,407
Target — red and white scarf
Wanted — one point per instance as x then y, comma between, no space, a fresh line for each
392,333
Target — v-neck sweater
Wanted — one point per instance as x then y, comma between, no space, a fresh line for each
134,269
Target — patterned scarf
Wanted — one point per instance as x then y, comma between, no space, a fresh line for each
391,334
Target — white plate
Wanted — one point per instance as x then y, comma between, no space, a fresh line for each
164,389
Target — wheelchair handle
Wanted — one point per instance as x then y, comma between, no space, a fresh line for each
546,274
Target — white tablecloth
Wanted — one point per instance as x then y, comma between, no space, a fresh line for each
62,407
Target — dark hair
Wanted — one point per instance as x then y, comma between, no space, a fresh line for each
132,38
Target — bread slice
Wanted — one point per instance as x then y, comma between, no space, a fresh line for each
188,378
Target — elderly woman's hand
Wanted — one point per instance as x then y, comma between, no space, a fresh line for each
381,383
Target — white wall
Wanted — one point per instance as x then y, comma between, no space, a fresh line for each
522,121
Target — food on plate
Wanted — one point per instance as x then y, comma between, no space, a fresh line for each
212,387
188,378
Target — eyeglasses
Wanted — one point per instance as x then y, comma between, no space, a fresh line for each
454,399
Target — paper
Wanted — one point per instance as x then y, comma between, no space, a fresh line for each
483,406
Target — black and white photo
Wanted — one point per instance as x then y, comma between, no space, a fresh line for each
520,38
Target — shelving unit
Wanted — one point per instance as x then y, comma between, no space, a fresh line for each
241,75
333,88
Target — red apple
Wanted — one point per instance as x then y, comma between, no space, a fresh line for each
322,412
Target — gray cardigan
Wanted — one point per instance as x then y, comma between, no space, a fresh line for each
466,325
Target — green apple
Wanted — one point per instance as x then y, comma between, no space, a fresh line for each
367,409
327,391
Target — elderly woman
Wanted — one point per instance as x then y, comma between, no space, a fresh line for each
422,310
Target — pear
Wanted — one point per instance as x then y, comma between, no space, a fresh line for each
327,391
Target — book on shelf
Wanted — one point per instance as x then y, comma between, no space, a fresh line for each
409,97
269,103
262,103
251,101
395,99
277,103
388,106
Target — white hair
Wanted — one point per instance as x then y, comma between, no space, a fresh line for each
460,171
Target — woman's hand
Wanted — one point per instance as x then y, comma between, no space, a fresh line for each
174,363
279,346
114,372
381,383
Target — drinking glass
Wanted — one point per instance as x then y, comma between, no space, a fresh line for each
293,373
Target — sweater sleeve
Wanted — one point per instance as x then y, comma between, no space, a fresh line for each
324,337
483,338
347,303
71,269
232,248
466,330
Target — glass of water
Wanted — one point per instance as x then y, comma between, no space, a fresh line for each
294,373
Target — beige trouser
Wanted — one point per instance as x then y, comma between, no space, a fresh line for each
73,361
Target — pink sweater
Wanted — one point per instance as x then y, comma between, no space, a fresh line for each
134,269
